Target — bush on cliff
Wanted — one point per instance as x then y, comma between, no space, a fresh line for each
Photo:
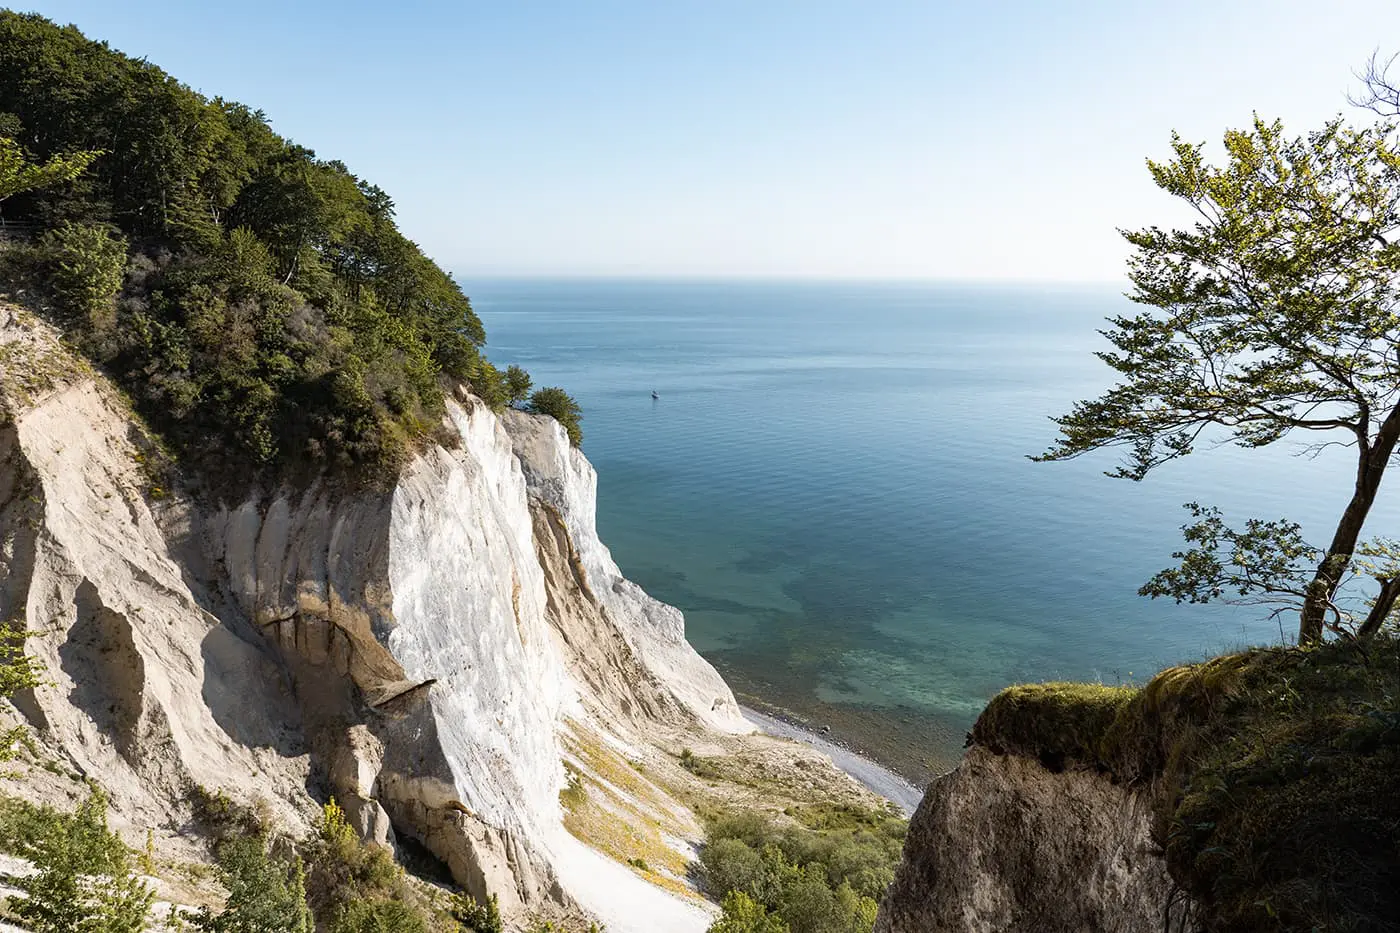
357,887
266,893
1275,775
560,406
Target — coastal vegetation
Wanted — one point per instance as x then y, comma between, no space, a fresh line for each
257,302
557,403
822,870
1275,315
1274,775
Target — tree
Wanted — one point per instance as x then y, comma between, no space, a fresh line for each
518,384
559,405
18,174
83,881
1277,312
1380,92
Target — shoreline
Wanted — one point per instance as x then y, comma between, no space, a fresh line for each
874,776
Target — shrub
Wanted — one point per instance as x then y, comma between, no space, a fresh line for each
476,917
354,884
742,914
560,406
266,894
18,671
700,767
733,865
825,880
379,917
518,384
83,881
85,264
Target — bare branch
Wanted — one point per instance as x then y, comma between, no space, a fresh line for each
1379,93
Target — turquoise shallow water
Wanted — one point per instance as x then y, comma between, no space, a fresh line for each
834,487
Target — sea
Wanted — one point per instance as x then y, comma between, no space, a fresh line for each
833,484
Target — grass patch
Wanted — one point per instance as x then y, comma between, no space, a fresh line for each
611,808
1275,775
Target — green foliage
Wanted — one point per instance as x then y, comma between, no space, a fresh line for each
742,914
476,917
1275,776
18,671
357,886
560,406
274,322
18,174
698,766
221,817
793,877
518,384
490,385
267,894
84,266
20,822
83,881
1054,722
1276,313
379,917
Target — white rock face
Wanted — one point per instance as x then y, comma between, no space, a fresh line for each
414,651
561,476
145,690
469,613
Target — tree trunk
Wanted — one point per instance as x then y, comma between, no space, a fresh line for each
1385,601
1371,463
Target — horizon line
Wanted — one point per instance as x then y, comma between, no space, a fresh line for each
776,278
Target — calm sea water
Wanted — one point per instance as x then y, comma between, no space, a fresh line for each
833,486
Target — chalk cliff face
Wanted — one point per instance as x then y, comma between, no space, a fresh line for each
1003,845
418,651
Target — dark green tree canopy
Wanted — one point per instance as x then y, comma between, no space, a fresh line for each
271,314
1277,313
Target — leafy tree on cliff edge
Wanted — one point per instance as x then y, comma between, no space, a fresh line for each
1276,314
558,404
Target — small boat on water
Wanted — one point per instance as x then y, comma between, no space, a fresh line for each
653,394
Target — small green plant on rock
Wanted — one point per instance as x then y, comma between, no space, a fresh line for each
476,917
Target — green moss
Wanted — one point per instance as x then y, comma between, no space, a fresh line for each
1275,776
1055,722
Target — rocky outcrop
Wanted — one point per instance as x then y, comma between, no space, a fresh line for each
1004,845
415,652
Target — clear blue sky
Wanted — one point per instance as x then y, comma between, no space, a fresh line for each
760,137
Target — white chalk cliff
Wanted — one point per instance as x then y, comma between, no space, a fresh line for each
419,652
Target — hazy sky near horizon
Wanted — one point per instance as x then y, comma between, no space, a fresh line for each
996,140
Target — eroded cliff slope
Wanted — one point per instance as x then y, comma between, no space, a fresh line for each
423,653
